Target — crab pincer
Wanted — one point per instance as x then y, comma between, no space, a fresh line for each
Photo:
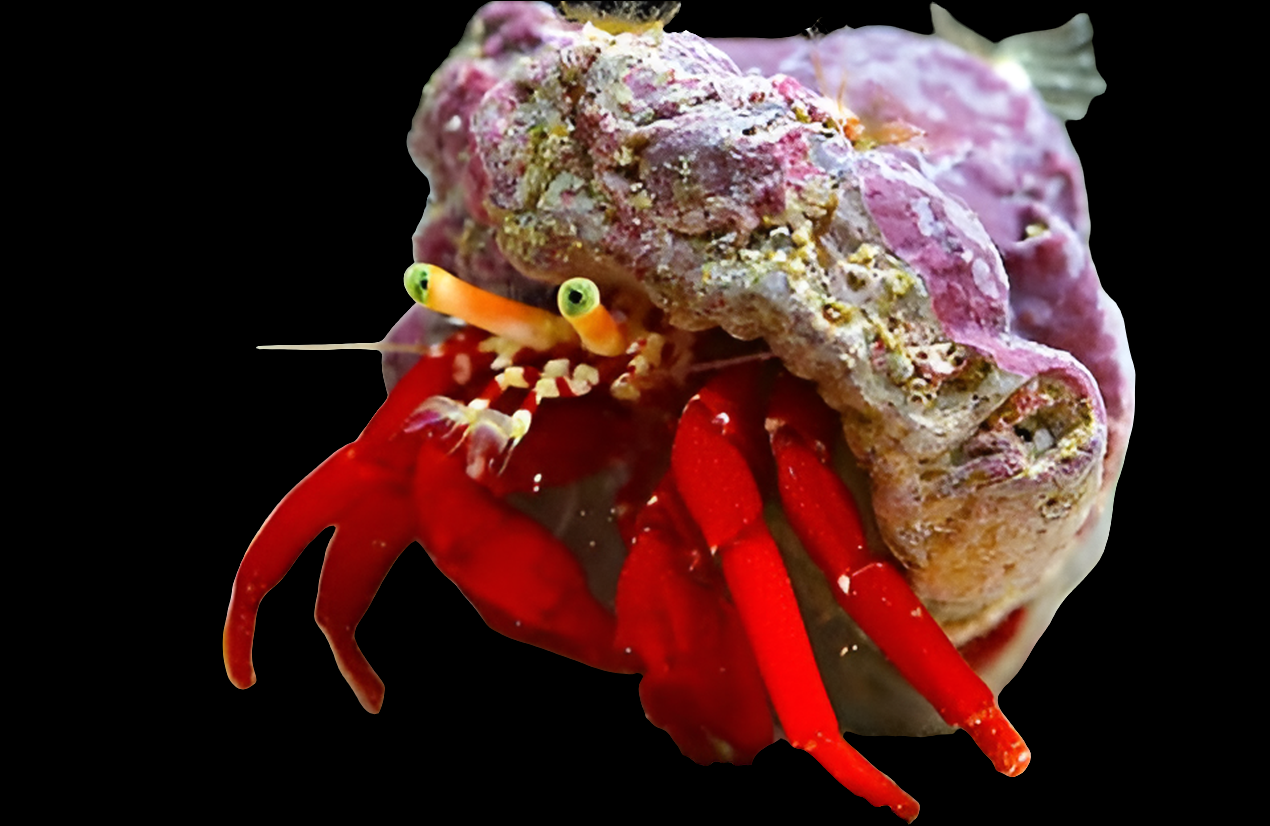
379,493
362,489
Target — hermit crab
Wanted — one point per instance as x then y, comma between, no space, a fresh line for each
802,402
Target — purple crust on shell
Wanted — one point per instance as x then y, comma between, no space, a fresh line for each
990,143
747,164
938,236
438,138
654,161
998,149
1057,299
607,208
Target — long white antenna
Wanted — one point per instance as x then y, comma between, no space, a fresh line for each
382,346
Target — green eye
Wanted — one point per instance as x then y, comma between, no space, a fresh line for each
417,282
577,296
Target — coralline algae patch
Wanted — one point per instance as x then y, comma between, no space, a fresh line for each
651,163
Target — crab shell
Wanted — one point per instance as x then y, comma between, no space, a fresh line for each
984,456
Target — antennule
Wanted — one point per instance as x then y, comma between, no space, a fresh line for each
381,346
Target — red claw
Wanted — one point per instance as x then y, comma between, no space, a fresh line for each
362,489
338,492
384,490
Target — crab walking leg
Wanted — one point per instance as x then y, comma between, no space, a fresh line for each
381,456
719,489
365,546
872,591
313,505
524,582
701,683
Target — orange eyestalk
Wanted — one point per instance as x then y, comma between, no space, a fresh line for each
579,302
438,290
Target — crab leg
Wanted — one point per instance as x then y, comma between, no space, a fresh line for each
311,506
718,487
700,681
872,591
524,582
366,544
335,491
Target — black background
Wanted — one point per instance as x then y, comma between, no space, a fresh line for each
299,151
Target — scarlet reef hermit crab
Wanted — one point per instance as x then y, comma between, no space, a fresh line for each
718,309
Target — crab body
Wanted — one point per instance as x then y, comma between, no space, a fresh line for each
802,315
